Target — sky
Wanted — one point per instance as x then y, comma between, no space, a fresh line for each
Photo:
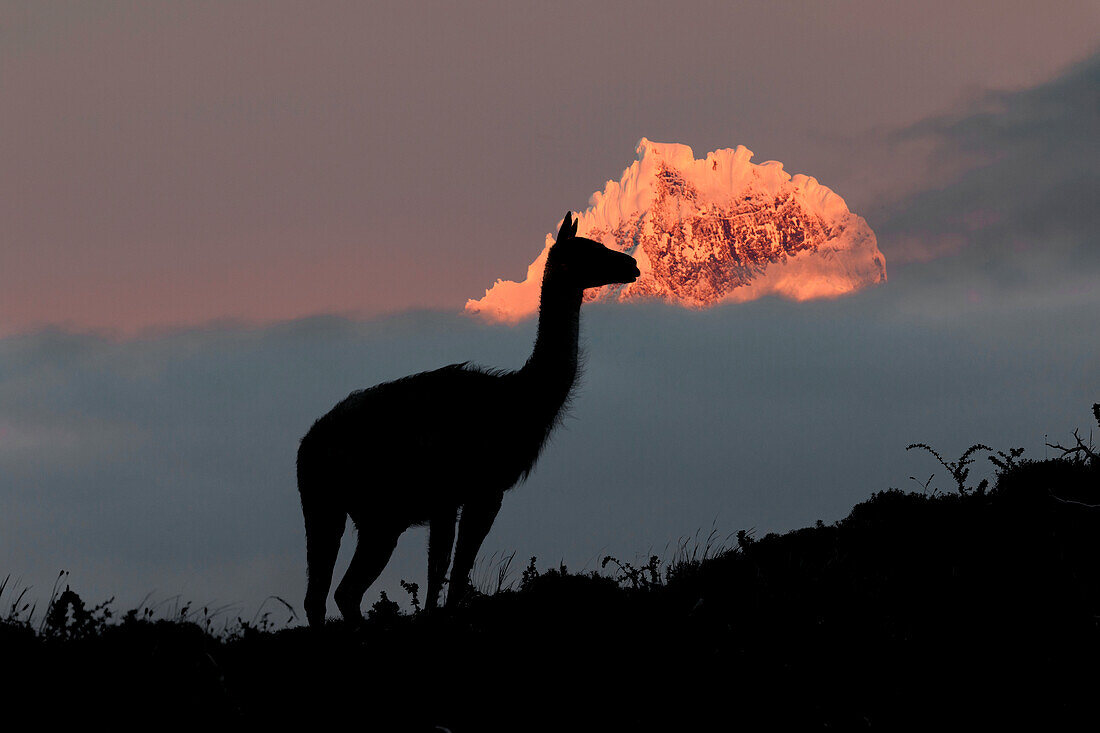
221,218
176,164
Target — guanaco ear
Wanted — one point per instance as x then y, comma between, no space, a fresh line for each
568,227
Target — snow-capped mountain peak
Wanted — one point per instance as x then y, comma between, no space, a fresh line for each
710,230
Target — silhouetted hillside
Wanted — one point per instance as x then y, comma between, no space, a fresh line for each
929,610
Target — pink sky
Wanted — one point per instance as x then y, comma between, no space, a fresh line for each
172,164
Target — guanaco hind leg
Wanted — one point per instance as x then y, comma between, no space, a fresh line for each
324,529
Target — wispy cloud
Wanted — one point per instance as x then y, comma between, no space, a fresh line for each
1016,206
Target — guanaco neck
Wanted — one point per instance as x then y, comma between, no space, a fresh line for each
552,367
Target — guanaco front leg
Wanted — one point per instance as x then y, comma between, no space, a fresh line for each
441,535
477,520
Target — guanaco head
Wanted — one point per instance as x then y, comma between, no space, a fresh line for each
585,263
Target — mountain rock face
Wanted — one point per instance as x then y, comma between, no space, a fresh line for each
714,230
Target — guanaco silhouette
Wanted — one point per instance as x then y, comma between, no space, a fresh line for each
435,446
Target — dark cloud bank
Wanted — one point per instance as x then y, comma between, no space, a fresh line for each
167,464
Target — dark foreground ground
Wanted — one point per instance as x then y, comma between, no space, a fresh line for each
947,611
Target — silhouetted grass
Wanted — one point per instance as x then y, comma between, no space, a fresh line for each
970,609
